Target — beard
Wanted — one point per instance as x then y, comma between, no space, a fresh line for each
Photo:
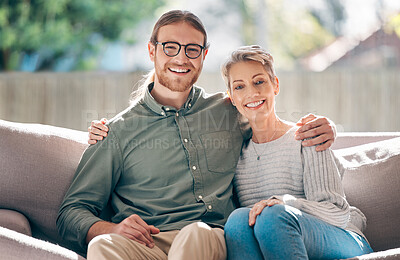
180,84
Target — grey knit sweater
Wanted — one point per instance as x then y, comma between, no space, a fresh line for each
299,176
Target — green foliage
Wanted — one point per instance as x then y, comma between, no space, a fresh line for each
292,31
298,34
394,25
61,28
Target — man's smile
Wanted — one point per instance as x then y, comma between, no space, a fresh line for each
179,70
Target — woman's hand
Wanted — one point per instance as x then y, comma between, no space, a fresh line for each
319,128
97,131
259,207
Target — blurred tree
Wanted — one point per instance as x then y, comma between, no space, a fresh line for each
394,25
291,28
331,15
53,30
294,32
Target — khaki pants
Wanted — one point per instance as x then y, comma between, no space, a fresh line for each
195,241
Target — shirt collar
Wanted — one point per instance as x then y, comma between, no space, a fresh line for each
156,107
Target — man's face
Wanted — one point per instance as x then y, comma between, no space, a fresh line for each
177,73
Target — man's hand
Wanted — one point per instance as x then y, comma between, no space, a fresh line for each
259,207
133,227
97,131
319,128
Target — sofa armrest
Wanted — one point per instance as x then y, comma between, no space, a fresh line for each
15,221
14,245
38,163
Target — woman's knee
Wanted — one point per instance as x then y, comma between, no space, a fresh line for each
237,220
237,225
275,218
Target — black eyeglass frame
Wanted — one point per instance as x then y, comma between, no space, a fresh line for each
180,47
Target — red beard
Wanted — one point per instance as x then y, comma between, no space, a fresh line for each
177,84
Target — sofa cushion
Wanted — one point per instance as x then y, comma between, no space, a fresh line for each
371,181
391,254
38,163
15,221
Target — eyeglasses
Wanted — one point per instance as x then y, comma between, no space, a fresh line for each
172,49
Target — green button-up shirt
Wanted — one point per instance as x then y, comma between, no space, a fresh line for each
171,167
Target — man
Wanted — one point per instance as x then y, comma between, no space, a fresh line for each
167,164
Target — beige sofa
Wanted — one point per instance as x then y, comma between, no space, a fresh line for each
37,164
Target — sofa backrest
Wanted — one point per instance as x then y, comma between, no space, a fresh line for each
371,180
350,139
37,164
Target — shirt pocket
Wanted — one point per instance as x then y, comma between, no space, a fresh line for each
218,151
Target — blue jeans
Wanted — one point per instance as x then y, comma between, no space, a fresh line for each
284,232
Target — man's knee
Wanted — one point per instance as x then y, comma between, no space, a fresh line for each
102,246
100,242
198,230
199,241
114,246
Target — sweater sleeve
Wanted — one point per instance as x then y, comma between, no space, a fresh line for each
323,189
91,188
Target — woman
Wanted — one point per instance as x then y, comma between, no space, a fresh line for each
293,202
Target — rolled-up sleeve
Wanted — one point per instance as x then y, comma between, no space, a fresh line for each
323,189
95,178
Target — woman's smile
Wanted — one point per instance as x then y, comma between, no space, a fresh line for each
255,105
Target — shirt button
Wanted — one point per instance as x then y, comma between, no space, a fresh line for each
162,113
185,140
167,108
194,167
177,114
209,207
200,197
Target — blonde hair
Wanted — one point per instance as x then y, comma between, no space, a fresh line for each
249,53
137,94
171,17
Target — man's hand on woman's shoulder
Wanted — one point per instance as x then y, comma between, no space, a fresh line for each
97,130
319,128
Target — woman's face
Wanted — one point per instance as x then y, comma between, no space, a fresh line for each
252,91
